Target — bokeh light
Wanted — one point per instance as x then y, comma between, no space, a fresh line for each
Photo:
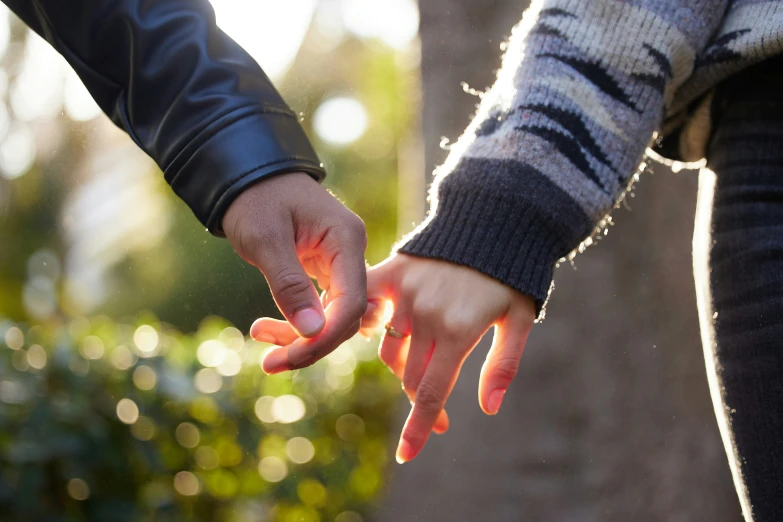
207,458
207,380
144,377
17,152
122,358
311,492
187,435
186,483
36,357
19,361
288,408
211,353
264,409
349,427
37,92
127,411
14,338
300,450
146,340
340,121
78,489
271,32
232,338
272,469
394,22
231,364
144,429
91,347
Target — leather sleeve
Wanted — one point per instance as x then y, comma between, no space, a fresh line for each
184,91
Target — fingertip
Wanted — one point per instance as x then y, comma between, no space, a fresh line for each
275,361
256,329
405,452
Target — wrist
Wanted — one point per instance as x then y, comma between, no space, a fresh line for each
515,233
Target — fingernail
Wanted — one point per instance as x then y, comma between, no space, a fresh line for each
404,452
495,400
308,322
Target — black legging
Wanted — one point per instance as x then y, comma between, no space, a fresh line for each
738,262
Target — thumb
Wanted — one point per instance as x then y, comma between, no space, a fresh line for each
292,289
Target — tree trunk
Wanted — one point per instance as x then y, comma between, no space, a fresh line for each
609,418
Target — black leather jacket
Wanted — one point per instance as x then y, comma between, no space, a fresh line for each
186,93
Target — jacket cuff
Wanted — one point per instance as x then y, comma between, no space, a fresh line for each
237,151
514,232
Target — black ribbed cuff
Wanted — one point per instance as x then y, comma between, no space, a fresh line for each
241,149
504,219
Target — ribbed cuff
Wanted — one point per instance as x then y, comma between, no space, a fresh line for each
504,219
240,150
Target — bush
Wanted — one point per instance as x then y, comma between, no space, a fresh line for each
138,422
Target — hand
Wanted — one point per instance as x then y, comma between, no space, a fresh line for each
443,310
292,229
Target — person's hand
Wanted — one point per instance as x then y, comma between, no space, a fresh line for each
292,229
442,310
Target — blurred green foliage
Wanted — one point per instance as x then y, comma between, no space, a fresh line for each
187,274
102,420
207,445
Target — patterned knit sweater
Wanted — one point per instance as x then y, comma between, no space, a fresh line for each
585,87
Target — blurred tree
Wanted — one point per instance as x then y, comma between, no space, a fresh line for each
609,418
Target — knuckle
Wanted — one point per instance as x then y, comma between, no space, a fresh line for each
428,397
291,284
351,230
356,226
415,438
410,384
425,309
357,306
455,325
506,369
409,285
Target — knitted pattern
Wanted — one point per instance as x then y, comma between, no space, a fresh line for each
584,86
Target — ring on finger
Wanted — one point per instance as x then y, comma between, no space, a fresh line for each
392,332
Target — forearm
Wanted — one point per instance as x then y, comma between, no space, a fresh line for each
185,92
561,134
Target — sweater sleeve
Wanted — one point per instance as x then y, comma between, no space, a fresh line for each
561,134
184,91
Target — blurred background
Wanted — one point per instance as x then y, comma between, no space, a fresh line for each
127,388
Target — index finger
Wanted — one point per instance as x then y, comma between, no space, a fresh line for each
431,395
348,287
380,289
